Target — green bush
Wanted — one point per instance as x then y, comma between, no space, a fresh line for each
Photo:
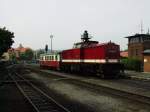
132,64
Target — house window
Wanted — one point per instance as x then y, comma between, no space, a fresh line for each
56,57
136,52
132,53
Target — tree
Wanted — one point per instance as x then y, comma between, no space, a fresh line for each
132,64
22,56
27,55
6,40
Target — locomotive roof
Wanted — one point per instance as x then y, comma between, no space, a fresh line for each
96,42
92,44
85,44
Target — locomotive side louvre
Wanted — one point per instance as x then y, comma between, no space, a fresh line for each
71,55
112,51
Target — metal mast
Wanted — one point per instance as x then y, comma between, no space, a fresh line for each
51,37
142,27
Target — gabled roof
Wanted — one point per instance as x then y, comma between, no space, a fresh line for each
124,53
22,49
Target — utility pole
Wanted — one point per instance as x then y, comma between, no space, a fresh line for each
51,37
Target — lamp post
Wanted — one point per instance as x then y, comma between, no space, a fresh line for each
51,36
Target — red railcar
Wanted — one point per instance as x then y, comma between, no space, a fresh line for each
51,60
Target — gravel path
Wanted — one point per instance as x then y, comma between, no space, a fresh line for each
96,101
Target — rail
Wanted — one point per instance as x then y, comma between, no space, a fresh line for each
36,97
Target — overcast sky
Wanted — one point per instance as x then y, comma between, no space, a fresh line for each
33,21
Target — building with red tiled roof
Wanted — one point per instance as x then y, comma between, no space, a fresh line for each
124,54
17,51
21,49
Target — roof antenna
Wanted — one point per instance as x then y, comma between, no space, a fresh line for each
148,31
142,27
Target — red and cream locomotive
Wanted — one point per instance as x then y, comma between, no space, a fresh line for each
86,56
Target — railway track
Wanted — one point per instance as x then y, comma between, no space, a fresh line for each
123,96
109,90
40,101
116,92
136,83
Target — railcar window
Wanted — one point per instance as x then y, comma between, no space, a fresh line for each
56,57
52,57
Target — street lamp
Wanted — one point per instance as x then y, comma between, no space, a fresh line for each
51,36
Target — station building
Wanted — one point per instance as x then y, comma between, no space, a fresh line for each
137,44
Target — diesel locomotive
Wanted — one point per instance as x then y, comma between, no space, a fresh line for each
86,56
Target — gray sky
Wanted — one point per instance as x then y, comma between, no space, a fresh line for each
33,21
